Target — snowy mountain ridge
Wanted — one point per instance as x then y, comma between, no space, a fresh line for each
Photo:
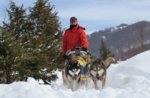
113,29
128,79
124,41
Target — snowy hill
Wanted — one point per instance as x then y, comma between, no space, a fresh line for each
129,79
125,41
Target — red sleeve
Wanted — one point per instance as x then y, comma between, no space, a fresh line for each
64,44
83,38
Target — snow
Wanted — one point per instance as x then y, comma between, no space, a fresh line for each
128,79
104,37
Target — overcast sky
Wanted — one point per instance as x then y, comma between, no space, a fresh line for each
93,14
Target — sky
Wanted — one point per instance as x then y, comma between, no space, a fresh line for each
94,15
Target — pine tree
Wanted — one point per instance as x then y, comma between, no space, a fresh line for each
30,44
46,28
44,18
12,48
46,36
17,17
104,51
11,52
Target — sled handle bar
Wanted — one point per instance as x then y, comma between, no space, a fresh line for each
69,52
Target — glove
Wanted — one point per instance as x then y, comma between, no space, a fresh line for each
84,49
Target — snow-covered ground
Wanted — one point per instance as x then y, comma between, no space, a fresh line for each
128,79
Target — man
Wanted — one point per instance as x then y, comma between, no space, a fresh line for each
74,36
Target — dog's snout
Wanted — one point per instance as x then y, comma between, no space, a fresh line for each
97,75
75,75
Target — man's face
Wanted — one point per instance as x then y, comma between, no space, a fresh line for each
73,22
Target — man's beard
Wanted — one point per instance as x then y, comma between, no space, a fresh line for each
72,26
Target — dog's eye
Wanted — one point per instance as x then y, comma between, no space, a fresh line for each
93,69
98,68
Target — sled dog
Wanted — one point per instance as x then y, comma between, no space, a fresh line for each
98,71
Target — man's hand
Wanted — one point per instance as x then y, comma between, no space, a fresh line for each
65,56
84,49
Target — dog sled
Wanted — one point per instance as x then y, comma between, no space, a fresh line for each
82,70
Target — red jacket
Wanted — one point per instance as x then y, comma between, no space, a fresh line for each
74,37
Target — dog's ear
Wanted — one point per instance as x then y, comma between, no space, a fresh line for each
109,61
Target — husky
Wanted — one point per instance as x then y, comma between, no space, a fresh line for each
71,75
75,76
98,71
75,70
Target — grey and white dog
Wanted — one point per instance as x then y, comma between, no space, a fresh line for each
98,71
71,76
72,72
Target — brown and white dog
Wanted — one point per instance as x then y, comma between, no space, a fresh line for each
98,71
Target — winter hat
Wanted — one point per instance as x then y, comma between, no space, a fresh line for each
73,19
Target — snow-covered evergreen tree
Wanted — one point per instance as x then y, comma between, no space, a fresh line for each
104,51
30,43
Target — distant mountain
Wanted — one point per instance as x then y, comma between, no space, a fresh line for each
124,40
